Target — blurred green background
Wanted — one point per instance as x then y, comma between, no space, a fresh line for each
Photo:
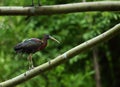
71,30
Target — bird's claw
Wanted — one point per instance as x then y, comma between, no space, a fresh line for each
31,67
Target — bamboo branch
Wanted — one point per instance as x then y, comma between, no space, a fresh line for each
60,59
61,9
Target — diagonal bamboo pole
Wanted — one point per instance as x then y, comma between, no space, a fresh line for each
61,9
60,59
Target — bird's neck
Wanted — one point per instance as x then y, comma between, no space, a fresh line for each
45,41
44,44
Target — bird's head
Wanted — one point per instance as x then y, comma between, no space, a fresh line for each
50,37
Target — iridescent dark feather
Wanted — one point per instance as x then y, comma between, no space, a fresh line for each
33,45
28,46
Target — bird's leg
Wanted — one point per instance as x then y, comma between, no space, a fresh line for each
32,3
39,3
32,66
30,62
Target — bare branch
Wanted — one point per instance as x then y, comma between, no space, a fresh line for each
60,59
61,9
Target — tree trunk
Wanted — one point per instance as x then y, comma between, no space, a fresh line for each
96,67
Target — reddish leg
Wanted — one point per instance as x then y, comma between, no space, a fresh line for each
39,3
30,61
32,3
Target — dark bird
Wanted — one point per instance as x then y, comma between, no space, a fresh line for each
33,45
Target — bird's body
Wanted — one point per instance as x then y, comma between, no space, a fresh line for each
32,45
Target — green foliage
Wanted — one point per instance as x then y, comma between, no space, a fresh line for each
71,30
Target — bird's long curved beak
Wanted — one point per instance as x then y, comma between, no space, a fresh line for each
52,38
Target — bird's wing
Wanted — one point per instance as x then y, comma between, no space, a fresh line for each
28,44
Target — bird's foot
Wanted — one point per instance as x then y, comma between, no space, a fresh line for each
49,62
31,67
39,4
